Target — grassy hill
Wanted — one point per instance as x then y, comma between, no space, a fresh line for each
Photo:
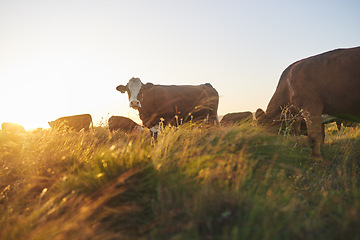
195,182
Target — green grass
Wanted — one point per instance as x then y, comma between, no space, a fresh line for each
195,182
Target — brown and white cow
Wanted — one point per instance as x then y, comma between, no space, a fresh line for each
123,124
171,104
236,117
75,123
13,128
328,83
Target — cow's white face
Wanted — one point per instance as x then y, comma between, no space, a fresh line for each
134,89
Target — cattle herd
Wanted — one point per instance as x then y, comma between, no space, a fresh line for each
315,90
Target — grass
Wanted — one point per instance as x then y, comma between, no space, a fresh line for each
195,182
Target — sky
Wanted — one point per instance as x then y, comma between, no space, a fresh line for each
61,58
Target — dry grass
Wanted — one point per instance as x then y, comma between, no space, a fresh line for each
195,182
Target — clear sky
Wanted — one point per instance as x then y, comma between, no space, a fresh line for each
60,58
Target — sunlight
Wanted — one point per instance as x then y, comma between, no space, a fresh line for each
38,93
45,90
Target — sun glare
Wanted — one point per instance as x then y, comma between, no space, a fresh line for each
45,89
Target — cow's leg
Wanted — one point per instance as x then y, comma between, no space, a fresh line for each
297,126
323,133
338,125
315,132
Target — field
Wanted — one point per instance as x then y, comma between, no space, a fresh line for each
195,182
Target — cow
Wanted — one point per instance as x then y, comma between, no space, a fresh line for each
74,123
13,128
171,104
327,83
236,117
122,123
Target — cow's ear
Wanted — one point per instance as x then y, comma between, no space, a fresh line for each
121,88
147,86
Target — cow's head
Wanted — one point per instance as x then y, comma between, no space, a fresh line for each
262,118
290,121
135,89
